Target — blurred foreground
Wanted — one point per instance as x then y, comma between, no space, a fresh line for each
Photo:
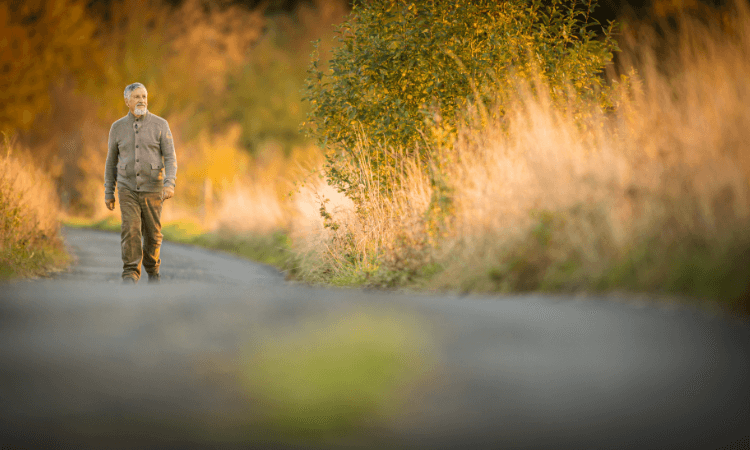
224,354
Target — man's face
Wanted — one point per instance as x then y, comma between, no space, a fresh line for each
138,102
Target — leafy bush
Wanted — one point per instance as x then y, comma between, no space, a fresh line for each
406,70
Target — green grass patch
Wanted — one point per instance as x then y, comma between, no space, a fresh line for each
374,273
717,271
272,249
183,231
335,378
109,223
703,270
31,259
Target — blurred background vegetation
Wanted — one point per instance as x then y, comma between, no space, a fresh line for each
557,174
227,75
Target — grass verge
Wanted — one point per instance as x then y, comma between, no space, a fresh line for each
40,257
649,196
30,242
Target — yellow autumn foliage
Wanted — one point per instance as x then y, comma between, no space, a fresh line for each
41,42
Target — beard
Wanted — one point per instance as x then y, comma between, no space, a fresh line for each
139,111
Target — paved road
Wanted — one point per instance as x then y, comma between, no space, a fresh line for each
89,363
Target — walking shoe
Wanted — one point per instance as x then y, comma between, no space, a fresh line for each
154,278
129,280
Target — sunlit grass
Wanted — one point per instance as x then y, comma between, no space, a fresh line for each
651,197
30,243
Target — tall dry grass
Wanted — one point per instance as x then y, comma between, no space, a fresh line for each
653,196
30,242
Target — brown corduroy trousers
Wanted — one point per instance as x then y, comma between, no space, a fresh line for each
141,217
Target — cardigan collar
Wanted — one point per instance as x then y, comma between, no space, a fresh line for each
144,118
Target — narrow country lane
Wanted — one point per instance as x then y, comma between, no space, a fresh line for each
86,362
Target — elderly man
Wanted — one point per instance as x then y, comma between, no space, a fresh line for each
141,162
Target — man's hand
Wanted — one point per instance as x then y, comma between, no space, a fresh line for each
167,192
110,202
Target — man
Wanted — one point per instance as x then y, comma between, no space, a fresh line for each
141,162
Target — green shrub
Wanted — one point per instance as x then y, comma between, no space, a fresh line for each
406,70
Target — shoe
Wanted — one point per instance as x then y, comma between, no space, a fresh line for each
129,280
154,278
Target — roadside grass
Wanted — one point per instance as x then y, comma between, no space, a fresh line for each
30,242
652,196
38,257
272,248
712,272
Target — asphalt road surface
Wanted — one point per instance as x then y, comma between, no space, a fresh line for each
86,362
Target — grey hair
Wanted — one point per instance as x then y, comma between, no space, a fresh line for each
131,87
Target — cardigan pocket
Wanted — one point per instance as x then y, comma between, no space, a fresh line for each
157,172
122,169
